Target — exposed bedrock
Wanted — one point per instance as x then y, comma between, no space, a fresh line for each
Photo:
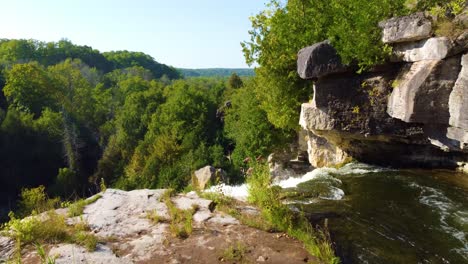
412,112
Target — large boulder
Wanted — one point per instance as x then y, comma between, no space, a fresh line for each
407,28
318,61
323,153
203,176
430,49
421,92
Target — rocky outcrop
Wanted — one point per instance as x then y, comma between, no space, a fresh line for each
408,28
421,91
411,112
319,60
127,235
458,107
291,161
208,174
428,49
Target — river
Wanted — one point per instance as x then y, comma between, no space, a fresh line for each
377,215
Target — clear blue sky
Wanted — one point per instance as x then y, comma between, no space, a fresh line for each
181,33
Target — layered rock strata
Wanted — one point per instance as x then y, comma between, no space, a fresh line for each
411,112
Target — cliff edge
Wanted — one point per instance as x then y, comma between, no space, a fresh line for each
410,112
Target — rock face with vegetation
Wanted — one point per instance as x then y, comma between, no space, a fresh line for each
408,112
152,226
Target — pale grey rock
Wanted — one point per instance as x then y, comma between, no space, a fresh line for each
7,248
202,215
323,153
203,176
152,242
312,118
77,254
120,213
458,101
186,202
430,49
460,135
421,94
223,219
407,28
319,60
406,86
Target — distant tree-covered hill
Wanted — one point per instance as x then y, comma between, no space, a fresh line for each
13,51
223,72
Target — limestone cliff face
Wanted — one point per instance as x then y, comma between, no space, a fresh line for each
411,112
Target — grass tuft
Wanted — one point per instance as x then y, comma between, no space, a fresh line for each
77,208
235,253
181,220
281,218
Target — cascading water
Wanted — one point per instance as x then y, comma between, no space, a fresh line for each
377,215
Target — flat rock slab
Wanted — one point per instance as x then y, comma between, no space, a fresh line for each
430,49
186,202
76,254
119,213
319,60
127,235
406,28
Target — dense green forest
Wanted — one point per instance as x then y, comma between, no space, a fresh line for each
213,72
71,116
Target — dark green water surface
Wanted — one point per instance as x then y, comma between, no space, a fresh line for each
388,216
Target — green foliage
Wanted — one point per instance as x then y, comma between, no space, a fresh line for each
235,81
49,228
77,208
45,258
235,252
29,88
215,72
247,125
181,220
267,198
35,200
34,229
86,239
280,31
125,59
438,8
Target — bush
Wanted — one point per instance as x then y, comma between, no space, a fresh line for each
267,198
35,200
47,228
235,252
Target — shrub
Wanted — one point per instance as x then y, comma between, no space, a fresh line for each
47,228
235,252
35,200
267,198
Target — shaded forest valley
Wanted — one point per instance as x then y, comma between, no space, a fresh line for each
72,117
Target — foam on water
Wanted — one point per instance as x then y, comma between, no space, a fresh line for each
238,192
446,208
350,168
